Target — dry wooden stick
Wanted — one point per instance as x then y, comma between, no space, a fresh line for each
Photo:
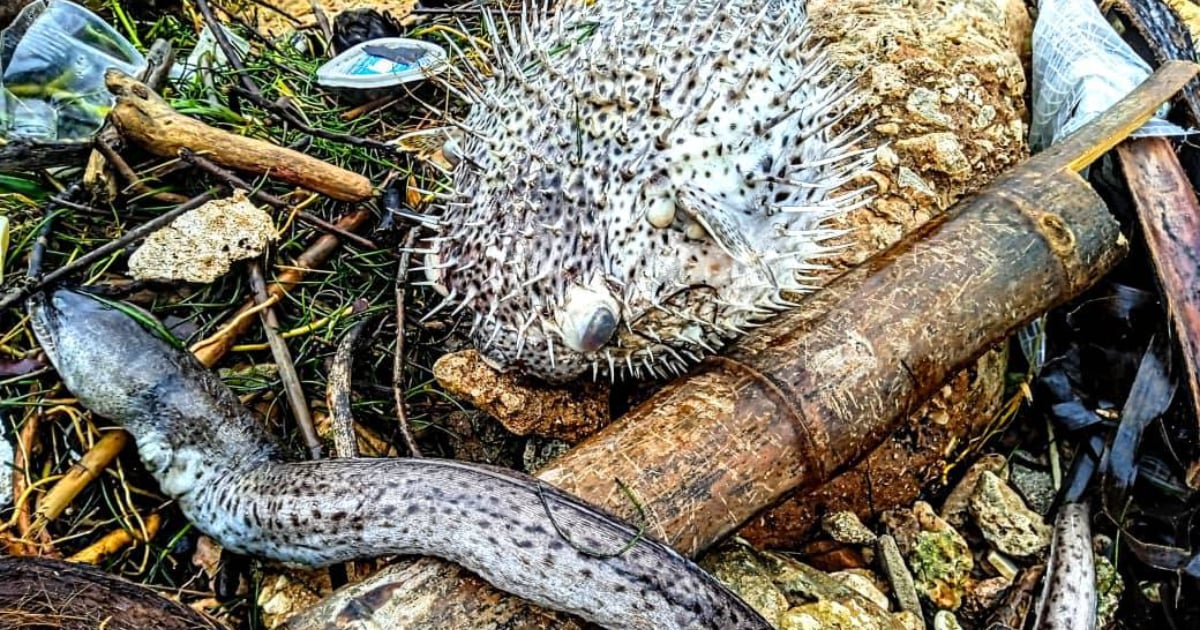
97,177
818,387
283,360
145,118
81,474
21,481
398,357
259,195
117,540
1170,217
210,350
337,392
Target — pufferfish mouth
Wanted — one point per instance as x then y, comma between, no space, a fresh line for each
588,318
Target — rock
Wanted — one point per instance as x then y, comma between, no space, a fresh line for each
1004,519
847,528
200,246
908,620
1002,565
284,592
954,508
898,575
939,558
1035,484
863,585
830,615
830,555
983,596
945,620
941,563
740,568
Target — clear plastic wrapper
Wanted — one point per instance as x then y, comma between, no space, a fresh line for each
1081,67
53,58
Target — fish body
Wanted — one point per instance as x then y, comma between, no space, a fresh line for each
641,182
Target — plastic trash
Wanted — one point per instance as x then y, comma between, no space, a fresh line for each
53,58
207,58
382,63
1081,67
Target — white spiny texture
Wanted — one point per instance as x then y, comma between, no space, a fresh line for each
642,182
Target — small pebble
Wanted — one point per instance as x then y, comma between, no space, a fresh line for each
845,527
898,575
1004,519
864,586
945,620
954,508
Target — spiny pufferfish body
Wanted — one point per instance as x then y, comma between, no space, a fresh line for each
641,182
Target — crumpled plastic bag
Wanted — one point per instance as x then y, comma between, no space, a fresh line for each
1081,67
52,63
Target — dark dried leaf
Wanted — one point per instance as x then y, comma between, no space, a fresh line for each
1149,397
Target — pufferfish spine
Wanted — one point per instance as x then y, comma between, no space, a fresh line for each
640,183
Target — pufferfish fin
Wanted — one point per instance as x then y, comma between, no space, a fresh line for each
718,221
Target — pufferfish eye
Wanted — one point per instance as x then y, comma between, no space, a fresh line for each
588,319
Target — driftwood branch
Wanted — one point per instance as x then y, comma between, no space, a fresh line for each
145,118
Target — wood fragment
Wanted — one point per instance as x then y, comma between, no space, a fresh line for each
337,392
818,387
117,540
523,406
1163,32
1169,214
145,118
262,196
398,357
898,471
81,474
26,155
44,593
97,175
292,389
26,442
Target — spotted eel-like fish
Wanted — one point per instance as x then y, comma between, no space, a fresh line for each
210,454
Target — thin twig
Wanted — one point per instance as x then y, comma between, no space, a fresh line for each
135,182
337,391
283,359
159,60
398,357
261,196
20,293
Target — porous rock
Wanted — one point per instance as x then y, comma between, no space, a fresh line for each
201,245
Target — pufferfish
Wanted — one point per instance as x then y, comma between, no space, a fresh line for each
639,183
